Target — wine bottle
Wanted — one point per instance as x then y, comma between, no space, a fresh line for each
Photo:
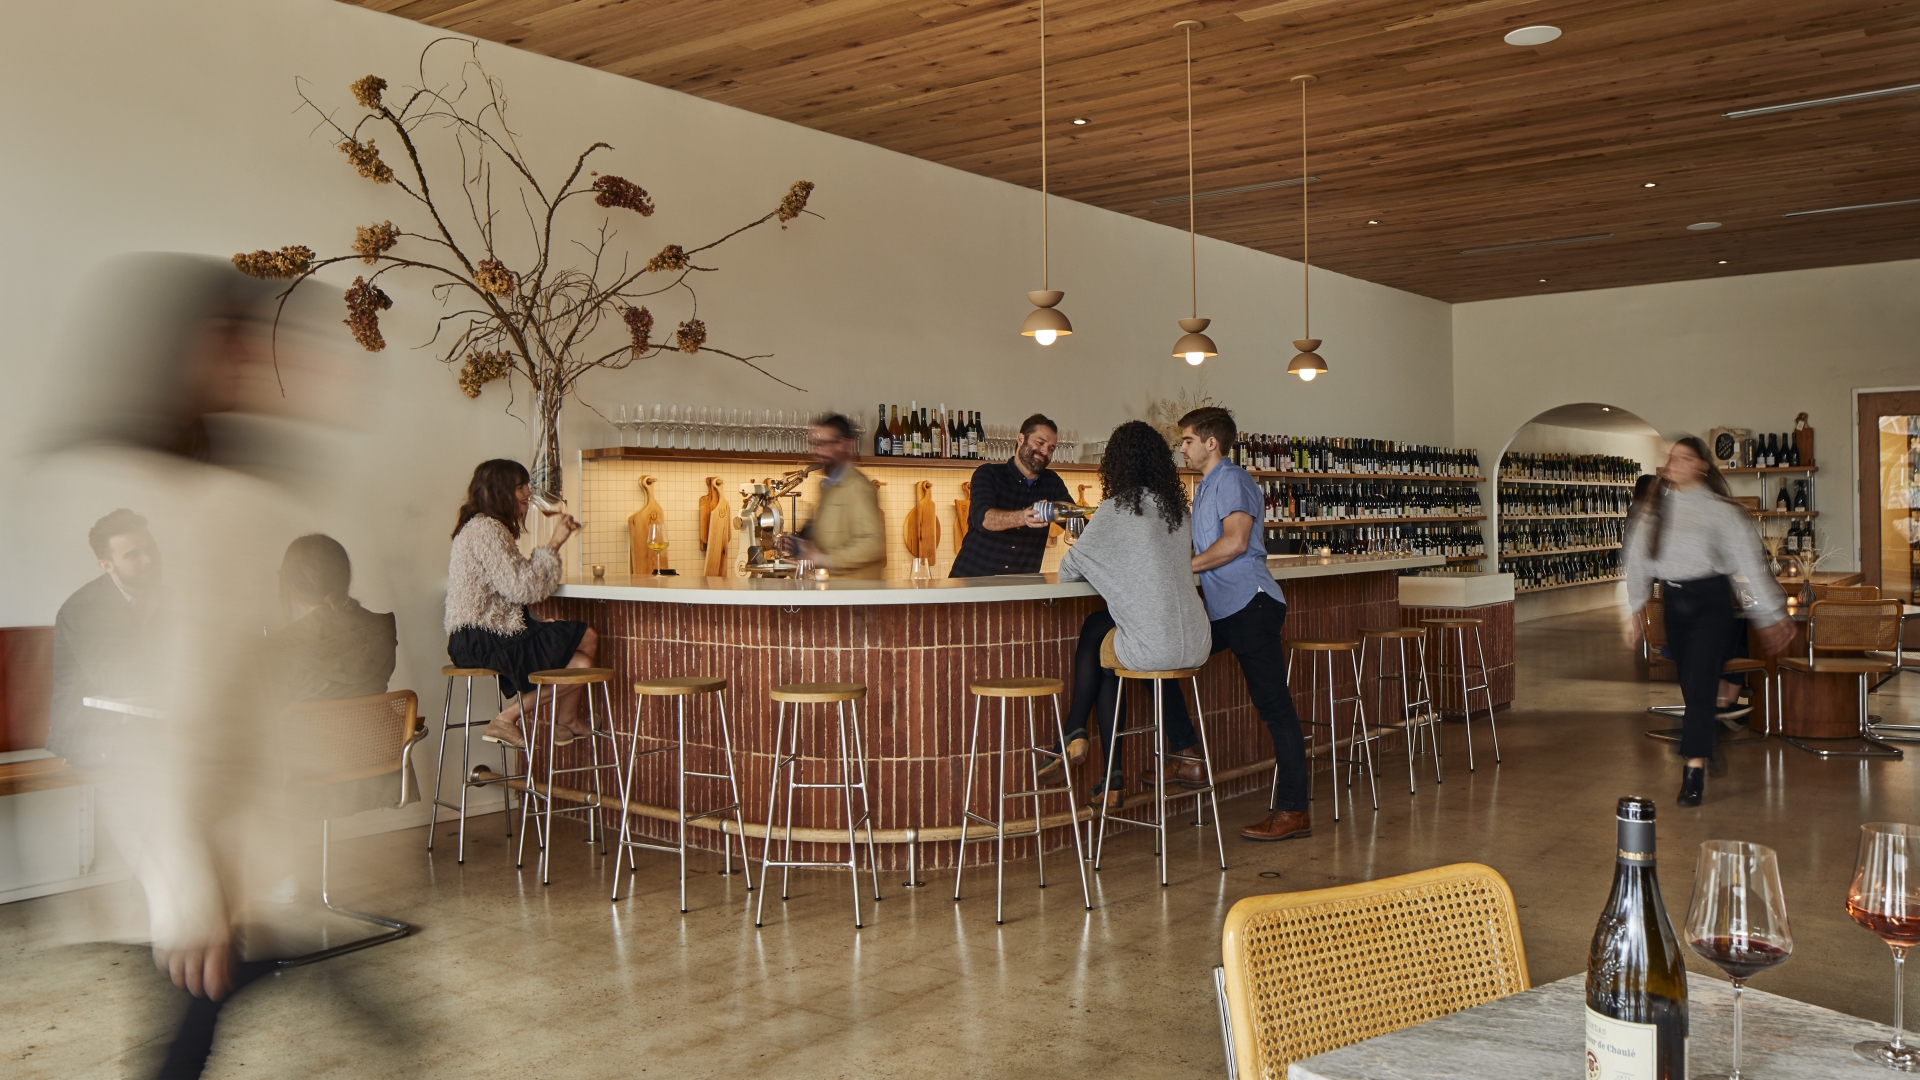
882,438
1783,501
1800,495
1636,979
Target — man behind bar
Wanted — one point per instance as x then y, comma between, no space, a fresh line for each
1246,606
1004,535
847,534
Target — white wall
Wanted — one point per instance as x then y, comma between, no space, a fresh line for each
136,126
1689,356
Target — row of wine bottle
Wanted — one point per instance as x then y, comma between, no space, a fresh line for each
1598,467
1324,454
1540,572
1798,540
1534,537
1453,541
1776,451
1796,500
1521,499
1362,499
928,433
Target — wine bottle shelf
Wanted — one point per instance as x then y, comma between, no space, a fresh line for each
1785,513
792,460
1809,470
1287,474
1568,585
1335,523
1565,483
1559,551
1464,558
1557,517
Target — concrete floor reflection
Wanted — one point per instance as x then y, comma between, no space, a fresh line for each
508,978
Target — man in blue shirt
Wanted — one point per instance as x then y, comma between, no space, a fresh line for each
1247,608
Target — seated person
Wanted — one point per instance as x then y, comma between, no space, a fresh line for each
98,638
1137,550
333,648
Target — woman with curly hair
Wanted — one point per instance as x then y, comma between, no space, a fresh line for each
1137,550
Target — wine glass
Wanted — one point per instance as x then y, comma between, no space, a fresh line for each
1885,899
673,425
922,575
653,425
657,543
1738,919
639,421
733,429
619,423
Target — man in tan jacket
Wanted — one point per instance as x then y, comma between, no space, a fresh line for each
847,534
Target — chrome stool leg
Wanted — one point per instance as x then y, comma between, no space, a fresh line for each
852,775
1486,688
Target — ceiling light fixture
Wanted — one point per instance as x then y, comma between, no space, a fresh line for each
1531,35
1703,226
1372,222
1079,121
1045,323
1649,185
1537,243
1543,281
1844,209
1865,95
1723,262
1234,191
1307,362
1194,346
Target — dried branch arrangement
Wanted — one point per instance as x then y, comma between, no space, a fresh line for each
536,318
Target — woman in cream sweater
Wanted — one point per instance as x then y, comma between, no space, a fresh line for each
489,585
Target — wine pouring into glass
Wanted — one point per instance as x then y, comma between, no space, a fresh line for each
1738,920
1885,899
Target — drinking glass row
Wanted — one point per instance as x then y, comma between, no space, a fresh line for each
774,431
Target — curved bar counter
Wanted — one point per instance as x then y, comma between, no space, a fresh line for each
915,647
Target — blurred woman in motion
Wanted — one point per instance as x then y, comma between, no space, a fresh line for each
489,585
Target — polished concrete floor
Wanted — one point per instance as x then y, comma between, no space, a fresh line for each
507,978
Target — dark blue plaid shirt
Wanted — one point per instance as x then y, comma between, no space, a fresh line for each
1002,486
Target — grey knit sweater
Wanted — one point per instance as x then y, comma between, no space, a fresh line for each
1703,536
1145,574
488,579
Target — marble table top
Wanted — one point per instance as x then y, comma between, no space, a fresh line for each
1542,1033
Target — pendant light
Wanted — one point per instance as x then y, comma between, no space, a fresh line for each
1307,362
1193,346
1046,322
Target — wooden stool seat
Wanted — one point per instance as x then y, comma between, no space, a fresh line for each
1016,688
680,686
1392,633
573,676
1111,661
819,692
1742,664
452,672
1451,624
1837,665
1321,645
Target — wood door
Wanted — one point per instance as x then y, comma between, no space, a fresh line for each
1888,465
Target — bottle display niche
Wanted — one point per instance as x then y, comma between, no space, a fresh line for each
1563,517
928,433
1341,496
1774,478
1338,454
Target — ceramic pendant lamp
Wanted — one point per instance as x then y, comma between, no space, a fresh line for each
1046,322
1307,362
1193,346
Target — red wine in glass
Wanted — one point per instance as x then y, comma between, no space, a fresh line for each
1740,958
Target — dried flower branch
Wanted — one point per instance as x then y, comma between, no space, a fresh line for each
691,335
671,257
482,368
365,302
795,202
640,325
493,277
617,192
366,160
290,261
367,91
372,241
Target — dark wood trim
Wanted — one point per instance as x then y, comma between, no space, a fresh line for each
1867,461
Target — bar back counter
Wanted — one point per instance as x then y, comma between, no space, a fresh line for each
915,645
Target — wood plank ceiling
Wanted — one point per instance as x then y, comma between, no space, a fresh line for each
1422,118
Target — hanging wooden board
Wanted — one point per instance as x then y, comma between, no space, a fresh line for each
1803,440
707,502
962,513
642,561
718,527
923,523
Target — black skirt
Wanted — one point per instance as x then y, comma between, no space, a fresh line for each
542,646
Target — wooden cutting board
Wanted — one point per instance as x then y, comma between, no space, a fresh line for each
644,562
923,523
1082,498
707,502
719,530
962,513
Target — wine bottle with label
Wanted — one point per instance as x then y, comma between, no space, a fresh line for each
1636,979
882,438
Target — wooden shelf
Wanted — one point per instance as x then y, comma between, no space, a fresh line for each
1557,517
1568,483
1272,474
1350,522
1560,551
1809,470
793,460
1464,558
1785,513
1569,585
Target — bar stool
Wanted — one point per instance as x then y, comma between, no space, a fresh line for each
469,776
1035,750
1417,717
679,689
1440,628
1357,729
853,777
547,684
1160,757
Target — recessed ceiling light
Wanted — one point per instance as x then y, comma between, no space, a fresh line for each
1649,185
1079,121
1532,35
1543,281
1606,408
1723,262
1372,222
1703,226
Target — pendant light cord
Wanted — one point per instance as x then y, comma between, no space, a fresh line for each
1306,261
1045,255
1193,273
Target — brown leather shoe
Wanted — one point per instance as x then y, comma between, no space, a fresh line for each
1280,825
1188,774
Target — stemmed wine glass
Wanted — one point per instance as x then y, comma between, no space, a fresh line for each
653,425
1885,899
1738,919
619,423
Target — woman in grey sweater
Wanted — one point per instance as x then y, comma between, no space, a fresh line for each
1689,537
1137,550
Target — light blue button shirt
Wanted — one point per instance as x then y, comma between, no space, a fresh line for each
1228,490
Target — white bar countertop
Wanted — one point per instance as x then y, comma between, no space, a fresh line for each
787,592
